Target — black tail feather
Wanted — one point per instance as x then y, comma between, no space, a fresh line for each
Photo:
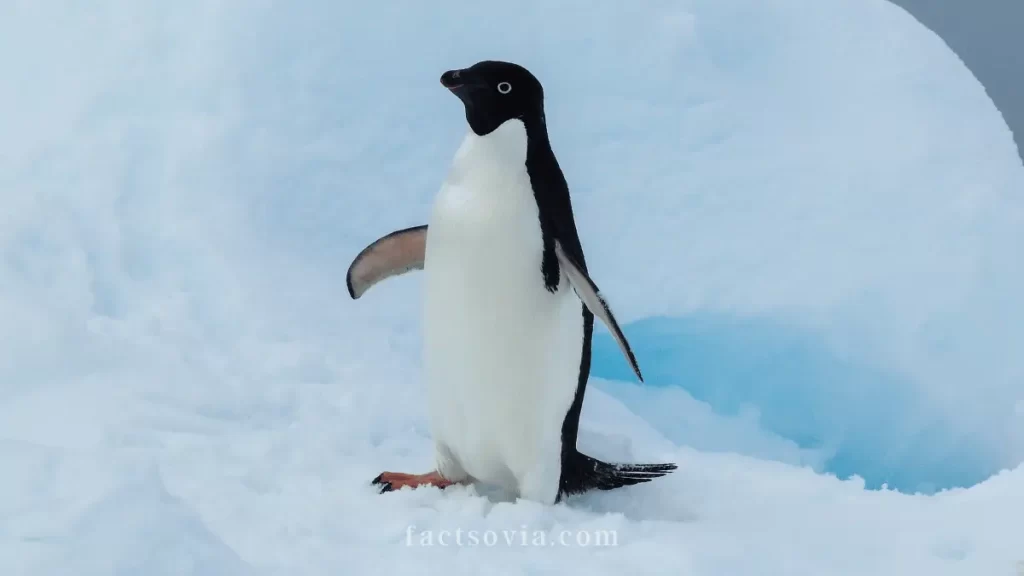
582,473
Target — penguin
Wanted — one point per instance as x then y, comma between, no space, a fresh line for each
509,306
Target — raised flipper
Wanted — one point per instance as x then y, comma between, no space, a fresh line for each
392,255
591,297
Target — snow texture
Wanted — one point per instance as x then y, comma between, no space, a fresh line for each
815,194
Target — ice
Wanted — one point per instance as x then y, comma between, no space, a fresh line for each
186,388
853,278
841,416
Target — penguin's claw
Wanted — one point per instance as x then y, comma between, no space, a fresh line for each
384,485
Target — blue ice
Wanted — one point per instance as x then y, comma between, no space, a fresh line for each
850,413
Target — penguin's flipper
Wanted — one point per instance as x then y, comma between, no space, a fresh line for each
392,255
591,297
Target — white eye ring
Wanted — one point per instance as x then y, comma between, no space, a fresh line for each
504,87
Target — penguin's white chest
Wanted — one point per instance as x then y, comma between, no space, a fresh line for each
502,353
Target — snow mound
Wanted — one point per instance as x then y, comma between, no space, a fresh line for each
186,388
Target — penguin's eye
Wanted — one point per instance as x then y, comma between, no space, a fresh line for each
504,87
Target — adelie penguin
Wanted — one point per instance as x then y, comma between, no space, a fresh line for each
509,306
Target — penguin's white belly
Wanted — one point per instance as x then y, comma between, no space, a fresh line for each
502,353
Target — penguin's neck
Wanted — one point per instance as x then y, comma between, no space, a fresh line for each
488,184
494,155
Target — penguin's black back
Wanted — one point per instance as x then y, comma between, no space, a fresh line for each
579,472
554,204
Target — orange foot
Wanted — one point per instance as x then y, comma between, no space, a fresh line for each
390,481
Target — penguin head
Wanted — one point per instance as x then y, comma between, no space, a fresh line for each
494,92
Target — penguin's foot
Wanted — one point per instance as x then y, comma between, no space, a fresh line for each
391,481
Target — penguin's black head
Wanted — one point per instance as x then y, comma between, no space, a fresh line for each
494,92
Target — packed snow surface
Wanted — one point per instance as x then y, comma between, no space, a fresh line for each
807,214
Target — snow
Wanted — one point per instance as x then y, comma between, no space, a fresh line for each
817,194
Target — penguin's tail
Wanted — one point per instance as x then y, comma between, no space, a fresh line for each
583,473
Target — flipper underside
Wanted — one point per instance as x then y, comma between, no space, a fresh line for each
591,297
395,254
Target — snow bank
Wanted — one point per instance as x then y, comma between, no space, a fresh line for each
185,387
830,239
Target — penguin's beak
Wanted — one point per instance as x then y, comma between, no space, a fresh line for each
463,83
452,79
